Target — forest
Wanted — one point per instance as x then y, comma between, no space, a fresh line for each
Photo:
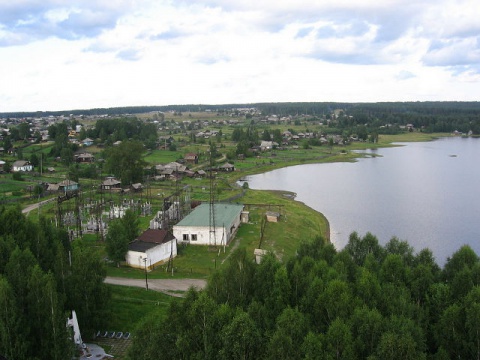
366,301
42,278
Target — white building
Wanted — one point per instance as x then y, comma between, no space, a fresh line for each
196,228
154,245
22,165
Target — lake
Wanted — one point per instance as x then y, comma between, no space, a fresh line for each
427,193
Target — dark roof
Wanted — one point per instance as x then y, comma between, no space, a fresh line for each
149,239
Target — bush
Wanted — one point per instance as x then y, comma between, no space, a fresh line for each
17,176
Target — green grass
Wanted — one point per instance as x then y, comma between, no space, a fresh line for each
129,305
191,262
162,156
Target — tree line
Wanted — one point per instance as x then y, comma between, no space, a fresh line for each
42,278
364,302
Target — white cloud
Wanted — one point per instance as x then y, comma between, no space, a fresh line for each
101,54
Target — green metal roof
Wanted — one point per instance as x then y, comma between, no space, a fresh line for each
225,214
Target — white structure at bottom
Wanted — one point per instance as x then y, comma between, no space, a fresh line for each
73,322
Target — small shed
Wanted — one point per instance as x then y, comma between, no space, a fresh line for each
245,217
259,254
272,216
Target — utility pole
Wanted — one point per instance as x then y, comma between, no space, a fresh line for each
146,278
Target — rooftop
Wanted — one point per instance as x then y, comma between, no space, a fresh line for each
200,216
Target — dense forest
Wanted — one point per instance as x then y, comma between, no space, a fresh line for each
43,278
364,302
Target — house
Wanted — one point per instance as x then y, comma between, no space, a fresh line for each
22,165
267,145
151,248
87,142
2,164
111,184
196,228
191,158
85,158
227,167
67,185
52,188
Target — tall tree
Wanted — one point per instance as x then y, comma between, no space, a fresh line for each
116,241
125,161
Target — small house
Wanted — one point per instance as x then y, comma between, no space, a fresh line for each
191,158
111,184
227,167
85,158
22,165
151,248
67,185
87,142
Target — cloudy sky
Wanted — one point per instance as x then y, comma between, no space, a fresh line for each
80,54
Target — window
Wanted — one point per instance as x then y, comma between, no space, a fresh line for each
185,237
194,237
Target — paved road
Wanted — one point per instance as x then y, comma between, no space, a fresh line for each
168,286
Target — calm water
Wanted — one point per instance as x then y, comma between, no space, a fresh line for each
426,193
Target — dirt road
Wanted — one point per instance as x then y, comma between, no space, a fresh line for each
172,287
36,206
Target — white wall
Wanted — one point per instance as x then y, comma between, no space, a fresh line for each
154,255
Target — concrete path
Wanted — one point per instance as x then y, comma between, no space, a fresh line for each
172,287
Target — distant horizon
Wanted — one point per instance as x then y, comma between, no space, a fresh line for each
231,105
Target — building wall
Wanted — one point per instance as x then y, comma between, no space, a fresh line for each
154,255
223,234
23,168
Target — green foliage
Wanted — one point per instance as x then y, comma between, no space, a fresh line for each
364,302
121,232
125,161
38,288
17,176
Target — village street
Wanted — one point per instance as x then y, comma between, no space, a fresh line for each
173,287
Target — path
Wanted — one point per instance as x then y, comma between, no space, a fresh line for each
36,205
168,286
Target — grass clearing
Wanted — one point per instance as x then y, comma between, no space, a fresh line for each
129,305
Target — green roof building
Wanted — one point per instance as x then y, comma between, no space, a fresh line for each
196,229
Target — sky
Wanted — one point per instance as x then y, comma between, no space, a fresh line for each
79,54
